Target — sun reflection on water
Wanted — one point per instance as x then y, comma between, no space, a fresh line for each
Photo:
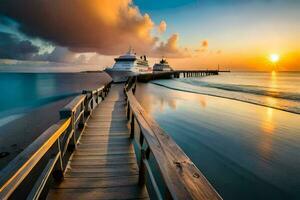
273,80
266,140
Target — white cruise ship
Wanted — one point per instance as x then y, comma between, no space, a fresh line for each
163,65
129,62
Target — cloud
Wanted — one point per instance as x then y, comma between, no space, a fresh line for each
11,47
162,27
204,43
203,46
106,27
170,48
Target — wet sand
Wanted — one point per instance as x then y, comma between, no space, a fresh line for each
16,135
246,151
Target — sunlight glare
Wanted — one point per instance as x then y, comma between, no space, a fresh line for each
274,58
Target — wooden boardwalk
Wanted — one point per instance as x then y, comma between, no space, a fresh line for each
104,164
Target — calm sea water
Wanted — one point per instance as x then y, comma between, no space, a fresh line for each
279,90
24,91
246,148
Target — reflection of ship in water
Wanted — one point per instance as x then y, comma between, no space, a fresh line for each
163,65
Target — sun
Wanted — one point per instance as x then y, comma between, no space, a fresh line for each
274,58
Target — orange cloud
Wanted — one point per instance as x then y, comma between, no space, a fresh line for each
204,43
203,47
170,48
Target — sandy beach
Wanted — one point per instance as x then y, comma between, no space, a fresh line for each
16,135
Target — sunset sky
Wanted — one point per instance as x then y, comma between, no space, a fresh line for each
236,34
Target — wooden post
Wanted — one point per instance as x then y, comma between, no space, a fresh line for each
168,195
87,111
58,173
132,126
142,170
81,122
133,89
128,110
64,114
92,102
97,97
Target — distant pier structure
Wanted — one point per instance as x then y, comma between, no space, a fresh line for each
176,74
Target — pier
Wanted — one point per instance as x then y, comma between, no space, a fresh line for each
104,147
176,74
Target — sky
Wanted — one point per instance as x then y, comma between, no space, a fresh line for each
191,34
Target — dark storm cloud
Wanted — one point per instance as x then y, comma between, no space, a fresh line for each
106,26
11,47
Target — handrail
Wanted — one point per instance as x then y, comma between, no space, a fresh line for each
52,149
15,172
182,178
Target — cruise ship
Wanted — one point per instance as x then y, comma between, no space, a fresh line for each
163,65
129,62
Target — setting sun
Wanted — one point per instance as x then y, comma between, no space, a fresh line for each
274,58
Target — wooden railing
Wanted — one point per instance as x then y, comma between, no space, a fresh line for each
181,178
29,174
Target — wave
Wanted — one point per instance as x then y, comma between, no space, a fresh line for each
251,89
16,113
238,95
6,120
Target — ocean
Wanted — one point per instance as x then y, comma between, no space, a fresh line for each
280,90
21,92
242,130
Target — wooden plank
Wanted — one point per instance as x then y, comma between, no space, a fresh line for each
128,192
97,182
105,137
104,148
124,167
101,157
104,164
100,174
106,134
106,120
95,153
124,145
108,123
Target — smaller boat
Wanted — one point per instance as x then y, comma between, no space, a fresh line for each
163,65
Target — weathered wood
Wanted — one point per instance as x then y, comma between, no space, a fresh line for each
182,178
106,153
73,105
56,140
42,180
124,192
73,183
17,170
